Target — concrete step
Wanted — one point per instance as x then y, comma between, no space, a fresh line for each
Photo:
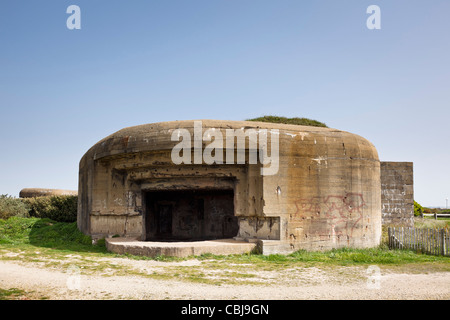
178,249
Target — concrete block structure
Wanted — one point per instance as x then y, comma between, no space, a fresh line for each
397,193
324,194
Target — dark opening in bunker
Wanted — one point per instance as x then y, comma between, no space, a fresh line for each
189,215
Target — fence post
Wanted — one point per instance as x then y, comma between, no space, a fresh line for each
438,245
394,243
389,237
447,233
436,242
421,239
433,242
435,216
443,242
410,241
392,237
401,238
415,239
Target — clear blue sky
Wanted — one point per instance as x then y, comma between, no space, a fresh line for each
136,62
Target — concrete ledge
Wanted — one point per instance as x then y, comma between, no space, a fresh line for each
178,249
267,247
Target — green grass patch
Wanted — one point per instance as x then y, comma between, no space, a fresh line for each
18,294
345,256
46,233
11,294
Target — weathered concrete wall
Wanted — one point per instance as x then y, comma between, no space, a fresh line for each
39,192
326,193
397,193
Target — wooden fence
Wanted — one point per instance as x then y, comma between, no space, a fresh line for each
435,215
431,241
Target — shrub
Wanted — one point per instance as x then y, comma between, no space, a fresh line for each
418,209
430,210
56,208
284,120
11,207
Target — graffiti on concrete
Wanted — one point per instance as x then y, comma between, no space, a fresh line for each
341,212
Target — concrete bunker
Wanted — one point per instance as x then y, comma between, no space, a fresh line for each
324,194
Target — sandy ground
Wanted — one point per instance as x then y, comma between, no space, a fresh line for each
312,283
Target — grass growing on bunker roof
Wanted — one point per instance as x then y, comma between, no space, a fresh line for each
284,120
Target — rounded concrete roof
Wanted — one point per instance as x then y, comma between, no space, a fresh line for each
157,136
40,192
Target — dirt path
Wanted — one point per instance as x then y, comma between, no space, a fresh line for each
56,284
